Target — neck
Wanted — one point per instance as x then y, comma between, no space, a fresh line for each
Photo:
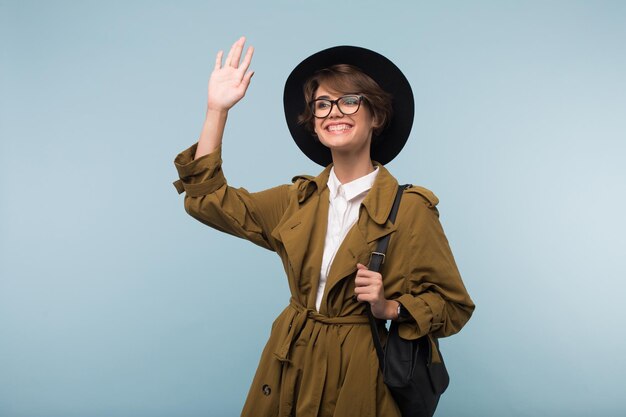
350,167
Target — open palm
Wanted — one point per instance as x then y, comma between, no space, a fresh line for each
229,82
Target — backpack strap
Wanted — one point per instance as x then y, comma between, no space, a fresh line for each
376,260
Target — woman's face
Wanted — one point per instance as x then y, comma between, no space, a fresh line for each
344,133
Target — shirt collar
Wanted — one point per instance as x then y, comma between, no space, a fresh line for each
377,202
353,188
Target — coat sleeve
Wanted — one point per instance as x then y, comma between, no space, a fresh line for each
434,295
209,199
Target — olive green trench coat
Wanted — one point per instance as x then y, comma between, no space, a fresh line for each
322,364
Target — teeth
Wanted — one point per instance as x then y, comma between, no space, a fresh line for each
338,128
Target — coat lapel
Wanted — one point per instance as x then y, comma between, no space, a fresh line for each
299,232
295,232
371,225
303,230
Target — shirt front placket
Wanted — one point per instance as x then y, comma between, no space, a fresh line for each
340,207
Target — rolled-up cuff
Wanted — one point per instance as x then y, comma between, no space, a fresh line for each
205,187
187,166
199,176
426,315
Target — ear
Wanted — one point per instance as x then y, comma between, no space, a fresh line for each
376,122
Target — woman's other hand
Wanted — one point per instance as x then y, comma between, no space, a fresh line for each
230,80
369,288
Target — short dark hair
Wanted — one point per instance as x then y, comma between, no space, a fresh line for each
348,79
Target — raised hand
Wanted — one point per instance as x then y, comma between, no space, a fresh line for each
229,82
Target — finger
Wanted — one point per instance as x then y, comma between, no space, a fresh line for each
245,64
371,290
234,62
360,266
246,79
365,298
229,57
365,273
362,277
218,60
363,281
363,295
362,272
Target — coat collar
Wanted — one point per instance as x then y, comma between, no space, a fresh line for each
378,201
352,189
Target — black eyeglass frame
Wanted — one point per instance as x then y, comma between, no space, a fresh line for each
336,103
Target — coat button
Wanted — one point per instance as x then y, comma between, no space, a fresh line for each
266,390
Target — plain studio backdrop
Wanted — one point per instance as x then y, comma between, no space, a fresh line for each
114,302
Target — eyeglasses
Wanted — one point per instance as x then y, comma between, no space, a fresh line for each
348,104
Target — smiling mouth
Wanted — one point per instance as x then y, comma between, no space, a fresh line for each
338,128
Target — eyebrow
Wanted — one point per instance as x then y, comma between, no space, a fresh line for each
325,97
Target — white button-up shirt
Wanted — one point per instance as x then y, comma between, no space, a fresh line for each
343,212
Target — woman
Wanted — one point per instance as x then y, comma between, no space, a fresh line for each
350,110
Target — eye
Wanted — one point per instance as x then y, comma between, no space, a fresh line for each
350,100
322,104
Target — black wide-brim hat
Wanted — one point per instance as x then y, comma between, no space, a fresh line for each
388,144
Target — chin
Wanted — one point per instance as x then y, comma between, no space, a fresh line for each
337,141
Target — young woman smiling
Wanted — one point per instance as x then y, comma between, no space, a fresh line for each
350,110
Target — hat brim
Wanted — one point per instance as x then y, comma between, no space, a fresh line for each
388,144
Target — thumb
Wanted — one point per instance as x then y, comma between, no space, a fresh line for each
361,266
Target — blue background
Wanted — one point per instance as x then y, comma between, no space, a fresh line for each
114,302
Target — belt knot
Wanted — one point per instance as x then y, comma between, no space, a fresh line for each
301,315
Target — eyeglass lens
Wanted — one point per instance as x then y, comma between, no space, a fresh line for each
348,104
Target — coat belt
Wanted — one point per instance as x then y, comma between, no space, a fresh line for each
300,318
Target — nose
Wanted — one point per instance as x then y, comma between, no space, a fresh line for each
334,111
